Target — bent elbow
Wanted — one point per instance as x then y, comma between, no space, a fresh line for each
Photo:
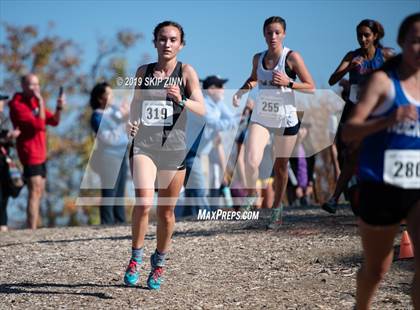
311,89
203,110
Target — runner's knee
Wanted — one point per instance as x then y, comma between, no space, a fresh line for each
142,210
281,167
375,273
166,216
36,189
252,161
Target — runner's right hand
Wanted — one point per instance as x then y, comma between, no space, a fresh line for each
405,113
38,96
236,100
132,128
356,61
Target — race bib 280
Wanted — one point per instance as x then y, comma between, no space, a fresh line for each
402,168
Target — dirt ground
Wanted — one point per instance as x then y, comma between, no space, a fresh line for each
310,263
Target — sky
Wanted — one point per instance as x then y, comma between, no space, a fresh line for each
221,36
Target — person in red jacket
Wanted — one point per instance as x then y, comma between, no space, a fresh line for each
29,113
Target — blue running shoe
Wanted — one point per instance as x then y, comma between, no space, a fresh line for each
276,219
132,273
248,203
155,277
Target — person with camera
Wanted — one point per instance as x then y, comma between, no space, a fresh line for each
28,112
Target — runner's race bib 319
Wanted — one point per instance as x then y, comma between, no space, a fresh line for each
402,168
157,113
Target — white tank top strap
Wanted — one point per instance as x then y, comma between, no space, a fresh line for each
260,60
282,60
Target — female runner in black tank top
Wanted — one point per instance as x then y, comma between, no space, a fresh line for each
157,123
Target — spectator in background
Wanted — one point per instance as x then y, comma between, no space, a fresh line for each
218,118
303,168
28,112
6,139
109,159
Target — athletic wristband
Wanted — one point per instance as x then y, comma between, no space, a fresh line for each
183,101
291,83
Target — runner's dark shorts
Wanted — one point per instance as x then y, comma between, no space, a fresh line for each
382,204
282,131
34,170
163,159
242,136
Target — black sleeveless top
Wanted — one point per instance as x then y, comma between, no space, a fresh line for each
162,121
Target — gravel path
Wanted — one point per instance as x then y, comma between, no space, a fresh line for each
310,263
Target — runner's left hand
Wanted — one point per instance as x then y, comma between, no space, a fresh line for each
280,79
174,93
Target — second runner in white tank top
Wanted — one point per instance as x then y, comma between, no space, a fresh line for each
275,106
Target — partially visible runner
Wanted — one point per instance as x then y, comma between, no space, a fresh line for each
303,168
201,132
333,125
159,146
359,64
109,157
265,182
7,139
237,159
387,118
275,71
